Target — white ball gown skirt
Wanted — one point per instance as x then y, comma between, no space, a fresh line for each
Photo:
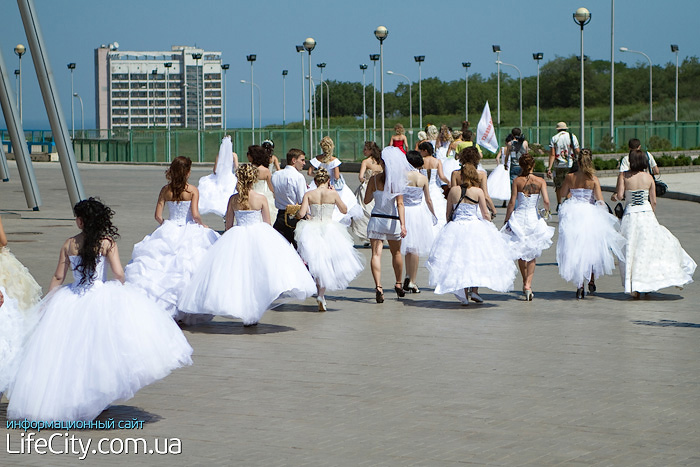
355,210
589,240
249,268
327,249
498,183
654,258
93,347
215,189
420,233
14,326
470,253
17,281
526,233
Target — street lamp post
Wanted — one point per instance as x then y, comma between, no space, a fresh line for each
466,66
674,49
625,49
309,45
251,58
612,73
19,51
328,105
259,102
82,114
582,17
380,33
497,50
196,56
419,59
321,66
224,67
363,67
521,90
17,72
300,51
374,58
154,73
537,57
410,97
284,97
167,66
71,67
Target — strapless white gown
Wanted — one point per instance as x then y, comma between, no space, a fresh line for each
215,189
248,269
327,248
654,258
470,252
17,281
14,327
163,262
95,343
354,209
526,233
589,239
419,223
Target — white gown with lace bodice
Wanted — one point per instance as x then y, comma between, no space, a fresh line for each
589,238
96,342
470,252
249,270
162,263
654,258
526,233
327,248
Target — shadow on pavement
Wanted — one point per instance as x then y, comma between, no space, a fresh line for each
667,323
128,413
236,327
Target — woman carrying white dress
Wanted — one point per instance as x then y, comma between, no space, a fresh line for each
216,188
432,168
367,168
97,341
420,219
251,266
324,244
525,232
163,262
469,251
589,236
654,258
332,164
260,158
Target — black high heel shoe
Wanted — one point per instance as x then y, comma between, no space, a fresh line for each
591,287
379,294
580,293
399,290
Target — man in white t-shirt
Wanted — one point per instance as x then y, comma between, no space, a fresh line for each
634,145
563,147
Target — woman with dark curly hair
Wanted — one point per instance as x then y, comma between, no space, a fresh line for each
260,158
97,341
251,266
164,261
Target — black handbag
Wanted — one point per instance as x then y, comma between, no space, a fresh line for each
619,210
661,187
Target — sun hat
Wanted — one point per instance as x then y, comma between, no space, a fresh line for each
561,126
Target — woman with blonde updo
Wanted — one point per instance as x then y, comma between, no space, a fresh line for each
398,139
163,262
224,284
324,244
526,233
589,236
469,252
332,164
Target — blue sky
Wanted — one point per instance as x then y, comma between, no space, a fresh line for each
447,33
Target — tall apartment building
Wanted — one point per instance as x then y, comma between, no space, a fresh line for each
146,89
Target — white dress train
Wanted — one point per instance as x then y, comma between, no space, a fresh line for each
215,189
419,223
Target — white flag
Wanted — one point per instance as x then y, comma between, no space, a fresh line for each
485,132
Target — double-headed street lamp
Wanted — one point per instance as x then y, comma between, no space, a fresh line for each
582,17
19,51
71,67
410,97
321,66
521,89
466,66
419,59
251,58
674,49
537,57
363,67
309,45
625,49
374,58
381,33
497,51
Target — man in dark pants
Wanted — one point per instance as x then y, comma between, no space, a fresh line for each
290,186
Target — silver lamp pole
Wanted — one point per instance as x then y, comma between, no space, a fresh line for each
251,58
466,66
497,50
582,17
284,97
19,51
537,57
651,67
71,67
380,33
374,58
363,67
674,49
225,67
410,97
309,45
167,66
419,59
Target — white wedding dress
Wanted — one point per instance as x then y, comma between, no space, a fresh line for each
215,189
419,223
348,197
437,196
526,233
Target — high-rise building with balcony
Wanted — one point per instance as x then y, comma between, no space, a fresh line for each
148,89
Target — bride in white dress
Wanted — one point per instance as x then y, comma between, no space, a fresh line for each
432,168
260,158
324,244
332,164
97,341
251,266
654,258
163,262
215,189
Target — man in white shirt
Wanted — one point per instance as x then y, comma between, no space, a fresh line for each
635,145
290,186
563,147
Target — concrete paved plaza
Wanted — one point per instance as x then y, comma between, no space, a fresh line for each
423,381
